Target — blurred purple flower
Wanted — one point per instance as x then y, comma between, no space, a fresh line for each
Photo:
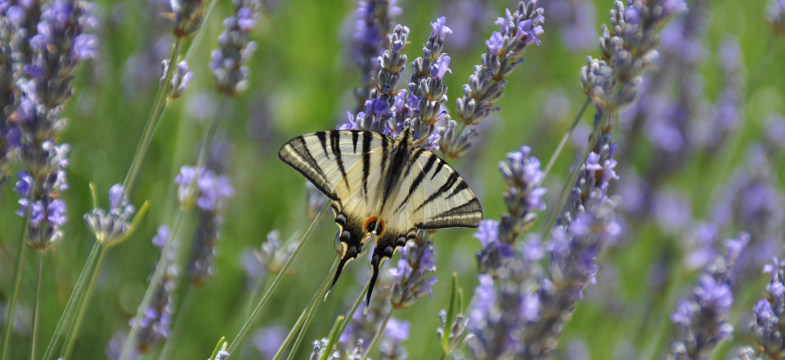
268,339
156,321
703,317
230,73
374,20
412,277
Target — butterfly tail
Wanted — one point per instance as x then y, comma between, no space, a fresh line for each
375,264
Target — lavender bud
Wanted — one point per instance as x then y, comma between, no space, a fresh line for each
187,16
775,14
180,80
230,73
112,227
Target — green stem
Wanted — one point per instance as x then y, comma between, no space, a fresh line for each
564,138
378,334
68,313
351,311
257,311
301,334
155,280
576,169
154,118
37,304
77,323
184,308
9,318
308,312
200,33
334,336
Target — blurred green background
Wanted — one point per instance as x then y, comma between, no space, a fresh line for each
301,81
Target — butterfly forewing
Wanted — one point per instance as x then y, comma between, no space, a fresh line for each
338,163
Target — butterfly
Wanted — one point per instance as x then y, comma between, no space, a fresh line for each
381,187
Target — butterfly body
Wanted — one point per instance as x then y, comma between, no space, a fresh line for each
381,187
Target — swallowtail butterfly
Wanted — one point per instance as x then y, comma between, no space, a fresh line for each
381,187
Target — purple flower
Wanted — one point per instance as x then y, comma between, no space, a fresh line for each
495,43
396,332
210,192
768,313
494,254
268,339
156,321
85,47
703,317
181,78
486,84
374,20
412,275
23,184
441,67
161,236
230,73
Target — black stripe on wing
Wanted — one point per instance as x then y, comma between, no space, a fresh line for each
297,155
335,147
420,177
467,215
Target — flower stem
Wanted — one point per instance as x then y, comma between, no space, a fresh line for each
257,311
9,318
85,299
351,311
564,139
155,280
308,312
184,308
378,334
154,118
334,335
79,288
37,304
576,169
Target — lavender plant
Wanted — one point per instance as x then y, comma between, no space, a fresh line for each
155,323
766,321
373,22
703,317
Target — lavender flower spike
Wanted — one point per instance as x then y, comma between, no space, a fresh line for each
381,99
157,318
768,315
411,276
503,50
230,73
210,192
374,21
704,316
